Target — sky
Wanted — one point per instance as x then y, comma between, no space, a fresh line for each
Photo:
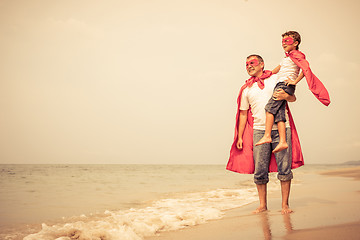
156,81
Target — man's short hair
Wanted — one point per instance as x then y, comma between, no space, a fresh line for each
257,56
295,35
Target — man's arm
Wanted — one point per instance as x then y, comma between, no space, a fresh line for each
242,122
290,98
280,94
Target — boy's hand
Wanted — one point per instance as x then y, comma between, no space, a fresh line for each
290,82
239,144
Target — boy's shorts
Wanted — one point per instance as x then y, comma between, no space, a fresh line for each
276,107
262,154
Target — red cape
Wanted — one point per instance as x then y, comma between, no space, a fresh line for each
242,161
315,85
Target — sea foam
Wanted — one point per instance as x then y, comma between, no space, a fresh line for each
163,215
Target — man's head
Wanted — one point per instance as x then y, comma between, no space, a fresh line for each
291,40
254,65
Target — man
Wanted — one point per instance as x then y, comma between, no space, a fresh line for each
250,127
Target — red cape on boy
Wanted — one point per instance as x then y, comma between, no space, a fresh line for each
315,85
242,161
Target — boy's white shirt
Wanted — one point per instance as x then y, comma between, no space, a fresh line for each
257,98
288,69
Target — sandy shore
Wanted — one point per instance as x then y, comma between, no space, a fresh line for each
326,206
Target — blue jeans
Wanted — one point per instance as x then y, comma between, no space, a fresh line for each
262,155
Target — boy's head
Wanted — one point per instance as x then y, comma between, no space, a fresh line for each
291,40
254,65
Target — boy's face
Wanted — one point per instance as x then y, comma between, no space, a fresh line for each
254,67
289,44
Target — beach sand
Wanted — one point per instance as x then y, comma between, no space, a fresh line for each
326,206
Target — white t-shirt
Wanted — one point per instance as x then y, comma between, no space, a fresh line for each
288,69
256,98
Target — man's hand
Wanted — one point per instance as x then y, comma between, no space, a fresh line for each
280,94
239,144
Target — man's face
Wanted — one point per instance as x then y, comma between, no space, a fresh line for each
289,44
254,67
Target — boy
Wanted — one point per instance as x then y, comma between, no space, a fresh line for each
288,77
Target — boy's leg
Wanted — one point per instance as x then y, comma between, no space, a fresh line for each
284,161
272,112
280,120
262,155
268,126
282,135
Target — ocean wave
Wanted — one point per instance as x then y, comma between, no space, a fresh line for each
163,215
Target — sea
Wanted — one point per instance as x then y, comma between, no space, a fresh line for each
127,202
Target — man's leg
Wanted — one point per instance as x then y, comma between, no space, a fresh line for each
284,160
262,192
285,192
262,154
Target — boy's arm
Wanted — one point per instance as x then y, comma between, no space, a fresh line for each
291,82
276,70
242,122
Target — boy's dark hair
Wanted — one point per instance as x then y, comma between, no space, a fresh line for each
295,35
257,56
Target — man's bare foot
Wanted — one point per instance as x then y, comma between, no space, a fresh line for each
259,210
264,140
280,147
286,210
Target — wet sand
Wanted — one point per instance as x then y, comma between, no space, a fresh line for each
326,206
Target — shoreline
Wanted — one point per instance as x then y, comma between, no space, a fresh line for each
323,199
326,206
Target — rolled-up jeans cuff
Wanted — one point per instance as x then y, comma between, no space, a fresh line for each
285,178
261,181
